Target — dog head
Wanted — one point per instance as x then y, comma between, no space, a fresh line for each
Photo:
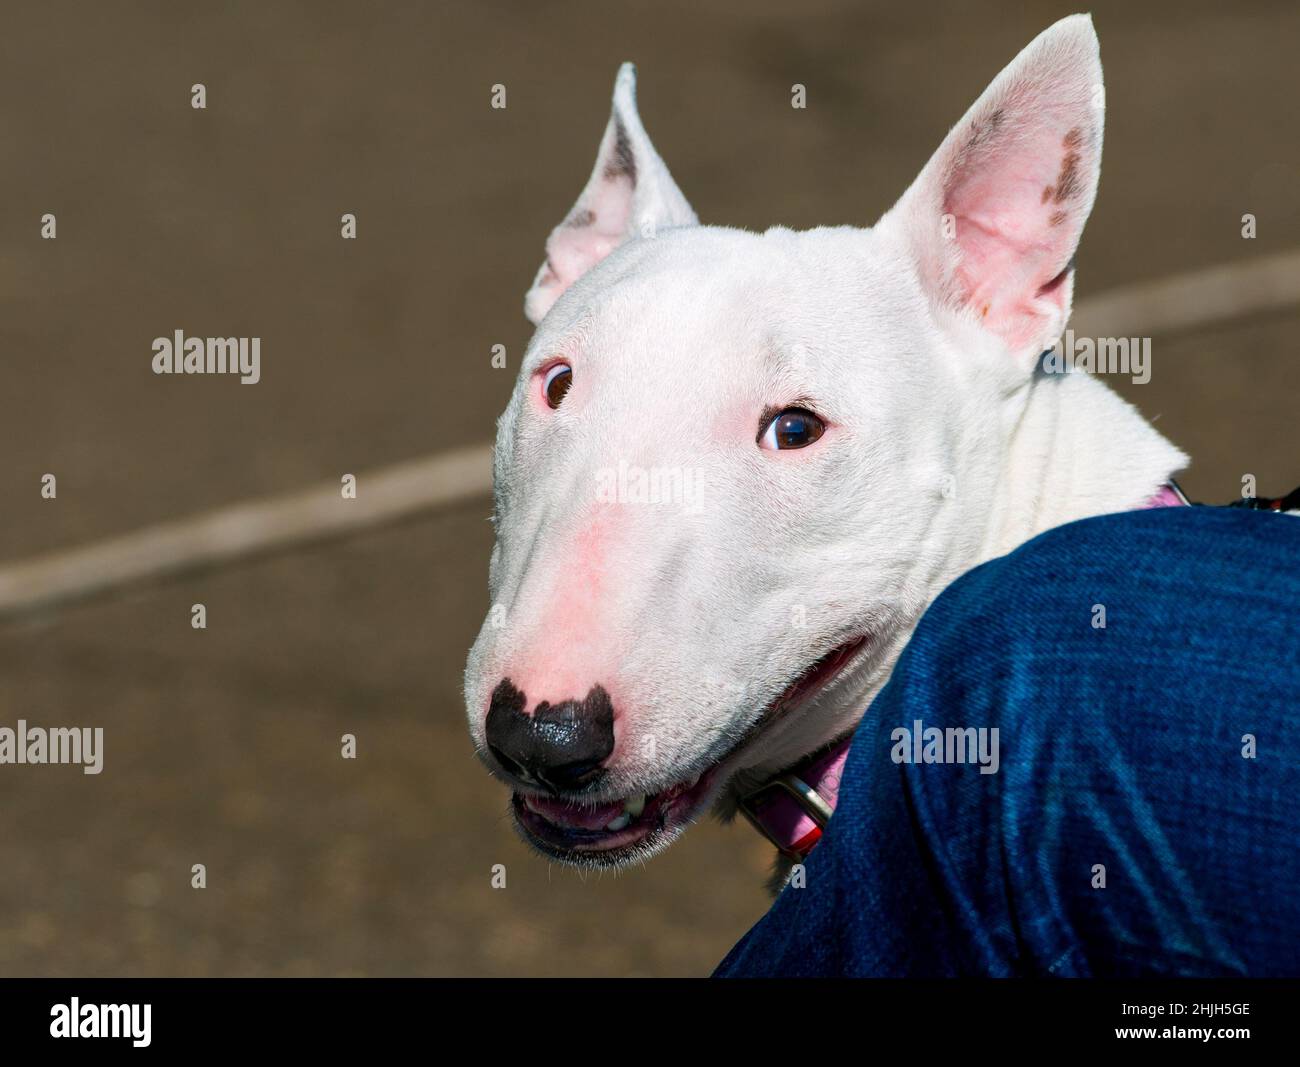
736,467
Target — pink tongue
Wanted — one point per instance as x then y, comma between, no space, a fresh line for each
575,815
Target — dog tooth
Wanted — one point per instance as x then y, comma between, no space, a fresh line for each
634,806
619,824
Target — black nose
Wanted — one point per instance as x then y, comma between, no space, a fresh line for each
559,746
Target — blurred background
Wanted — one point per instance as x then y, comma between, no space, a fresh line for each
222,745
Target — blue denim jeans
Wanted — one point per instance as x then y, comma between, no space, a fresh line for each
1143,673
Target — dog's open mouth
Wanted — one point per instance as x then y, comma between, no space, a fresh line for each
610,833
606,832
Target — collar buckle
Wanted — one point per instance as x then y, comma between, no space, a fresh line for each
811,802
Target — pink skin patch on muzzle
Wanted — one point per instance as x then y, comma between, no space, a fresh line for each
567,650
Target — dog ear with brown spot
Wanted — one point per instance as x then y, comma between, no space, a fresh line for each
630,194
994,218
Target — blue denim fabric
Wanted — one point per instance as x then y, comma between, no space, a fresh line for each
1120,746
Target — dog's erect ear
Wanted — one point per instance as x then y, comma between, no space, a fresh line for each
630,194
995,216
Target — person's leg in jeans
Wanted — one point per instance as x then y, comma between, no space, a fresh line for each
1144,818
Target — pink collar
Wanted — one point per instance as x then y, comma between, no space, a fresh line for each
792,809
1170,496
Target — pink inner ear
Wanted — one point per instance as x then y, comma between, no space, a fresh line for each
1020,198
591,233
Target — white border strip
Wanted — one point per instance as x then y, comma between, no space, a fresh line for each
215,538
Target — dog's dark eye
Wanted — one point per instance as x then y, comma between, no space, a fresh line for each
556,383
792,428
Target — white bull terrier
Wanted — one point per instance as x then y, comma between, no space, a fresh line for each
737,467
